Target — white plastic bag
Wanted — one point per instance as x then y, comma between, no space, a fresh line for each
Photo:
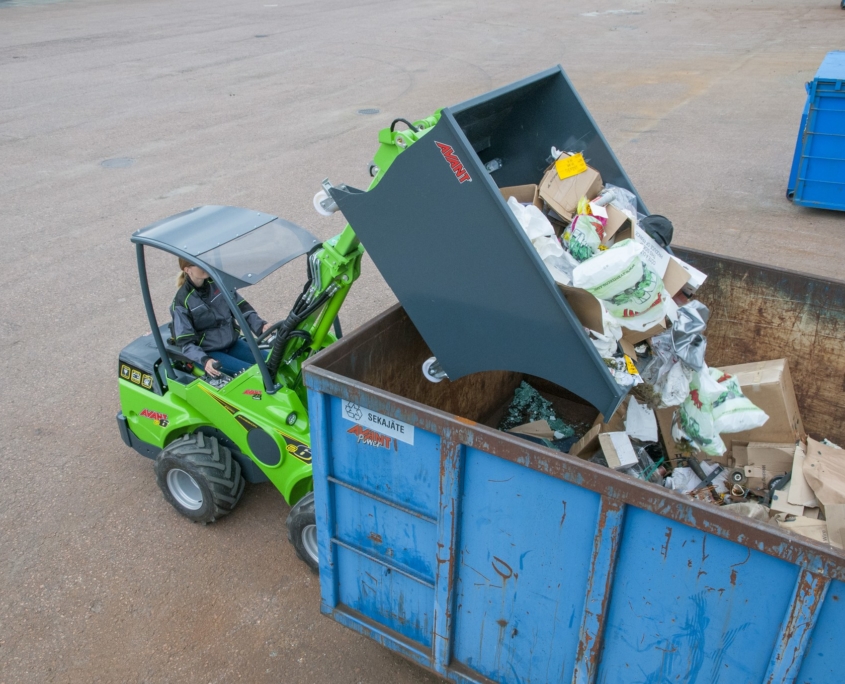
531,219
606,341
732,410
696,415
542,236
647,319
682,480
557,259
606,345
639,299
611,271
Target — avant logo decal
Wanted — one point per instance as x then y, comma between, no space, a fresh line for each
255,394
457,167
160,419
370,437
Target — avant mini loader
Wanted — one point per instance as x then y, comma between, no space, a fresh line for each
437,226
208,435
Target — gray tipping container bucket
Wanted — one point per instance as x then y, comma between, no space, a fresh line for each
455,256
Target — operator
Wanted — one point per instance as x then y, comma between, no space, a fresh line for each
204,325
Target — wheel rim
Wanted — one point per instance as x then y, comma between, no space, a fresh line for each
309,541
184,489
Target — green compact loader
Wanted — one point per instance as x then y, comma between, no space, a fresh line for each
209,435
436,224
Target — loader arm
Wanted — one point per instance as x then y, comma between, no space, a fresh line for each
333,268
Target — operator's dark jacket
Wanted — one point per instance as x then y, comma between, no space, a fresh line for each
202,321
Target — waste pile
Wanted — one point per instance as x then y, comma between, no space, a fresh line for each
729,436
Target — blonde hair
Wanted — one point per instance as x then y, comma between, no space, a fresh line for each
182,277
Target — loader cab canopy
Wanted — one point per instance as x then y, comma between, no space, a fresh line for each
238,246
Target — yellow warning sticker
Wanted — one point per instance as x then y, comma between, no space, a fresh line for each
632,369
570,166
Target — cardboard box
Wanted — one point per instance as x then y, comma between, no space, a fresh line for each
635,336
585,307
588,445
618,450
768,385
665,416
562,195
617,224
524,194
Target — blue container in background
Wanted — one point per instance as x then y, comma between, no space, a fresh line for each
817,178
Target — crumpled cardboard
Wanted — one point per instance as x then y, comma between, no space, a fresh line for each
814,529
524,194
562,195
800,492
762,461
835,520
780,502
824,470
539,429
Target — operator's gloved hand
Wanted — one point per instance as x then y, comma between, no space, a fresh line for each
210,369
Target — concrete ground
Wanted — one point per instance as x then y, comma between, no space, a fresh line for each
116,114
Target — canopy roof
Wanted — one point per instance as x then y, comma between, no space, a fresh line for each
240,246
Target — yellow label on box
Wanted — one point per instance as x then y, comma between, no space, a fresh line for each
570,166
632,369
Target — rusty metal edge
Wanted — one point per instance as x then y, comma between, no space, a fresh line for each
680,251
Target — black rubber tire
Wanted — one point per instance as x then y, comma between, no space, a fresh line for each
300,519
213,469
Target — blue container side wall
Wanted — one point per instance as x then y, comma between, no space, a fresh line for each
385,596
687,606
683,605
403,473
382,531
824,660
525,545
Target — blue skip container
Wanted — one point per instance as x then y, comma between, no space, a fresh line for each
817,178
488,559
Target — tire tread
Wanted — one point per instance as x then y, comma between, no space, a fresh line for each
214,462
